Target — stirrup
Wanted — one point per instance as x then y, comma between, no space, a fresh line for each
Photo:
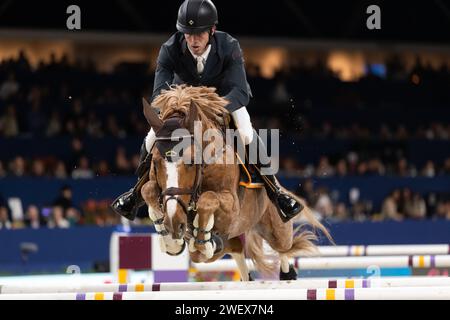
250,183
136,197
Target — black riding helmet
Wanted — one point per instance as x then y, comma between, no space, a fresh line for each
196,16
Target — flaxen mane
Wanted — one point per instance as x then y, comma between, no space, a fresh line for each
211,107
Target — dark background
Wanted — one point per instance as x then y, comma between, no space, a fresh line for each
404,21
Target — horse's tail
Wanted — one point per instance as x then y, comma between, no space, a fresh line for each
310,219
265,263
304,241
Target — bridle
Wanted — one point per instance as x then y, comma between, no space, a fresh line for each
190,209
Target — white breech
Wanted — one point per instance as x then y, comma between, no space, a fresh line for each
240,117
243,124
150,140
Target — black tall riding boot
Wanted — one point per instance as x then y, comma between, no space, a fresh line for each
128,203
288,207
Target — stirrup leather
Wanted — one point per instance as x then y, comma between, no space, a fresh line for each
249,184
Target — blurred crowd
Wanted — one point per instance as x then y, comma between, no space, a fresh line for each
76,101
400,204
352,164
60,213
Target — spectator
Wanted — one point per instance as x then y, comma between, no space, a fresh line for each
306,191
33,219
9,87
359,211
341,168
57,219
324,169
5,222
54,125
390,207
94,126
9,123
405,198
376,167
404,169
38,168
60,171
64,200
18,167
341,213
289,166
73,216
83,171
123,166
102,169
429,170
415,208
324,205
443,210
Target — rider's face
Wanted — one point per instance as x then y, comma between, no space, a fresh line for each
197,42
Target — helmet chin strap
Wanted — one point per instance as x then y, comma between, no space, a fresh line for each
210,34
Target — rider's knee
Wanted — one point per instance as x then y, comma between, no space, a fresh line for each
241,119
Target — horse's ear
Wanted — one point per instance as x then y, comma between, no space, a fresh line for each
193,112
152,118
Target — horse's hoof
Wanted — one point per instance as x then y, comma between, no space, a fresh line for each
250,278
291,275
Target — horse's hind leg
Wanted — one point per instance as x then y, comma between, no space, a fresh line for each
242,265
287,270
280,237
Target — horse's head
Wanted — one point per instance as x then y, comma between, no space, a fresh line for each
173,163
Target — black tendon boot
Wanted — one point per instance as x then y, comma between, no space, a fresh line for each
128,203
288,207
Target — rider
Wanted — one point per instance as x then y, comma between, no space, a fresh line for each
198,55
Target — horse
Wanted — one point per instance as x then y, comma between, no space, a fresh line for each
202,205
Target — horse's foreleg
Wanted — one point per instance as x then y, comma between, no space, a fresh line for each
203,224
166,243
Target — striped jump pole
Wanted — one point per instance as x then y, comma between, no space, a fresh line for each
230,285
384,250
415,293
429,261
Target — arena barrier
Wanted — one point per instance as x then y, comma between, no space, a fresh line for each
305,283
415,293
429,261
